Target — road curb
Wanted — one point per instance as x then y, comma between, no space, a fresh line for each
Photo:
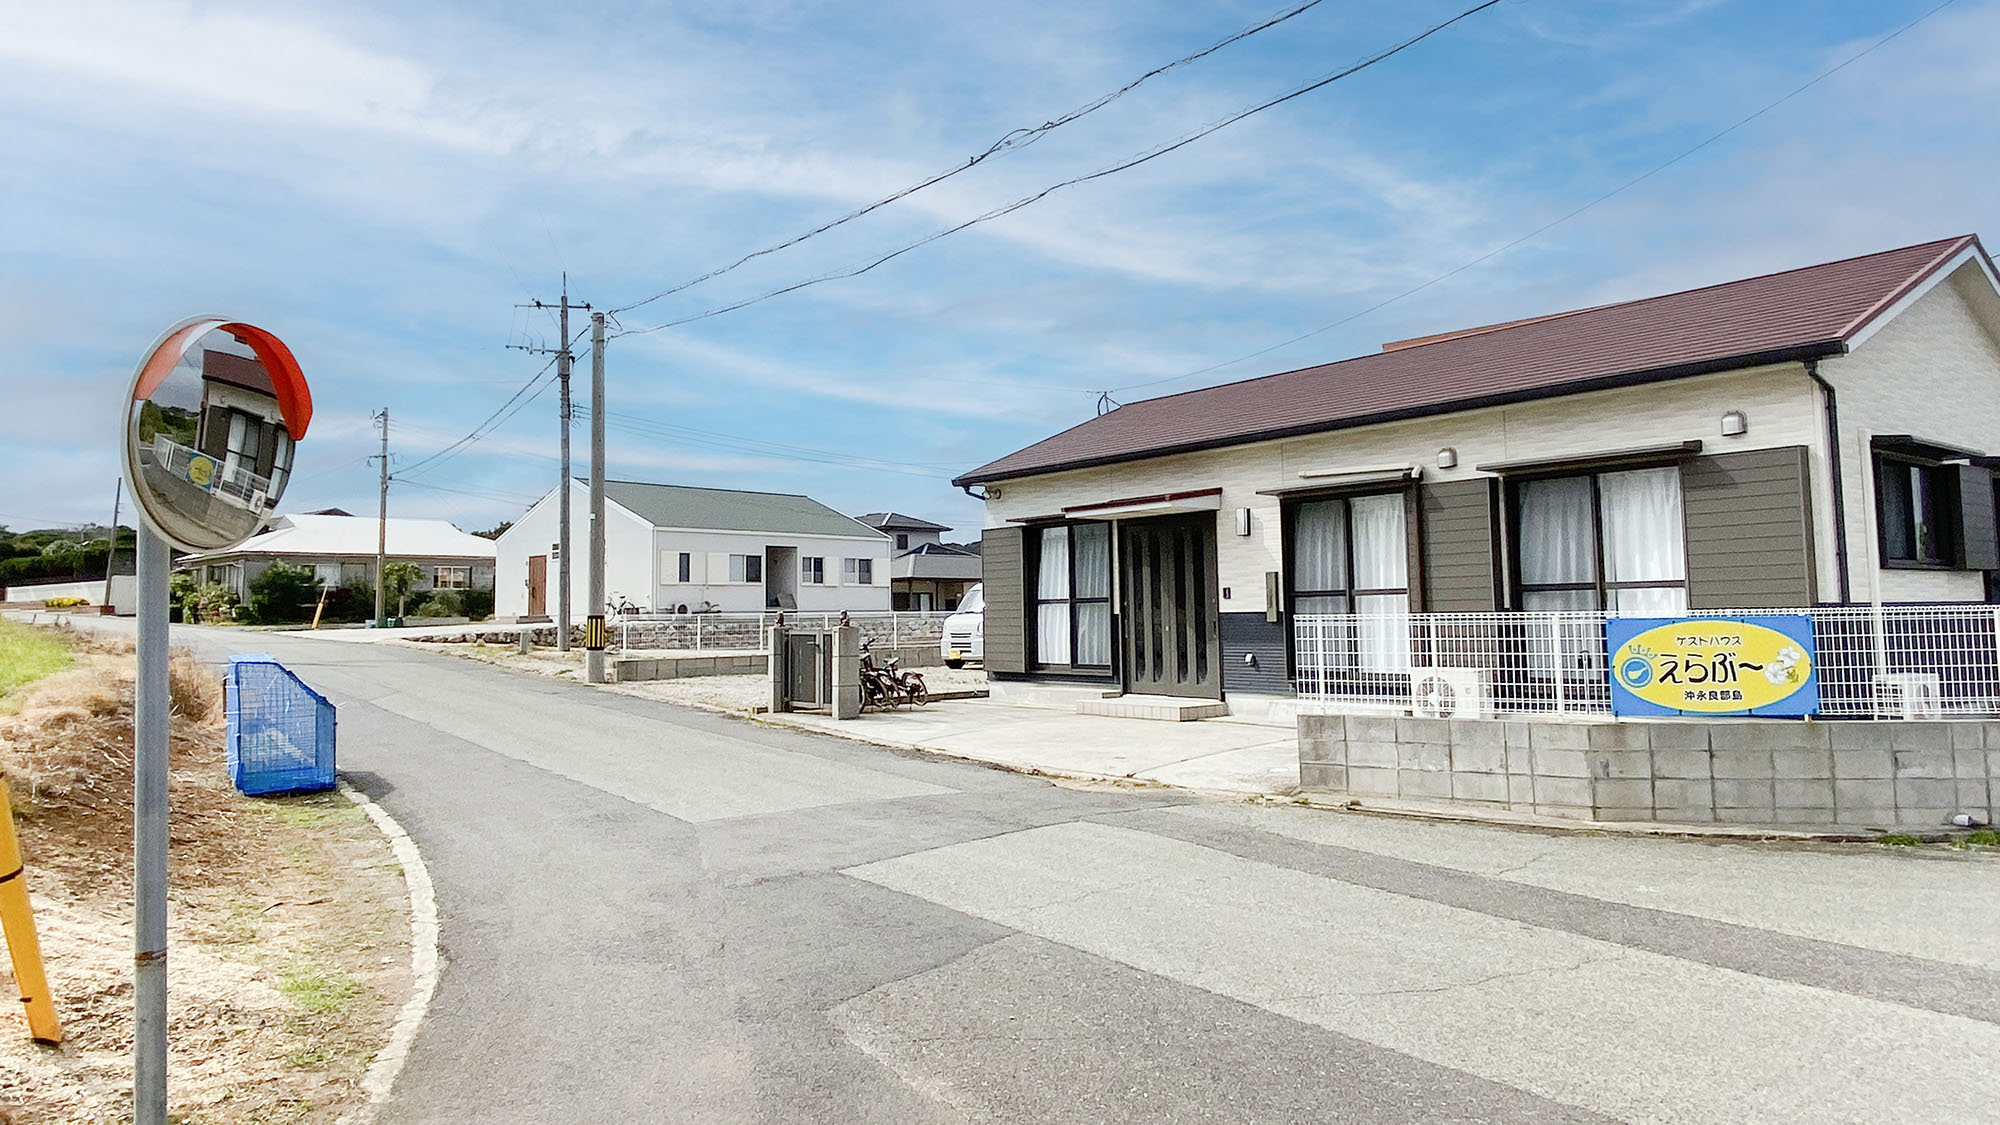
425,961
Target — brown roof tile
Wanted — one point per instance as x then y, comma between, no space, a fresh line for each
1792,315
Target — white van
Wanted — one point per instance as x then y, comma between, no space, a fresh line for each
965,630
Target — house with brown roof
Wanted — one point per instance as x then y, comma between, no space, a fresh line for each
1819,436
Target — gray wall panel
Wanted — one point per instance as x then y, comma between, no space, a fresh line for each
1249,634
1458,542
1749,530
1004,576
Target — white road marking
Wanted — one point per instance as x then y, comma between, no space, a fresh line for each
1624,1032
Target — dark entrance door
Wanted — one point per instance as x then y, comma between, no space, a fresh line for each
1167,573
538,585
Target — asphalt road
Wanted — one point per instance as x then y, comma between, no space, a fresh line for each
654,914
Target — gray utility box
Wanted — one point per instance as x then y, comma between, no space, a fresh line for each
816,670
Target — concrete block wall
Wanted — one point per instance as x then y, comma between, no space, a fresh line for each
1773,772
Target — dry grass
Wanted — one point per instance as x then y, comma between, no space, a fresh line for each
264,894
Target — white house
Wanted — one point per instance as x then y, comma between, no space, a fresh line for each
1820,436
341,549
670,547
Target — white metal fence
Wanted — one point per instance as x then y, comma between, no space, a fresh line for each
1940,661
738,632
232,482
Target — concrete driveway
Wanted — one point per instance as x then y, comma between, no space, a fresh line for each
1214,754
654,914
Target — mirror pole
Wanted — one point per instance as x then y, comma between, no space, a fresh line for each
149,836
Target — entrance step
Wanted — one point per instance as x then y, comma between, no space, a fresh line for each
1168,708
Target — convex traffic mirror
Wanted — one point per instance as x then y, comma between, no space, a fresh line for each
216,409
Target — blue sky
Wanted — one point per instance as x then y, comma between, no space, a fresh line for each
379,184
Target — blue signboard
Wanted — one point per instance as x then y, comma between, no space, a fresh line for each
1761,666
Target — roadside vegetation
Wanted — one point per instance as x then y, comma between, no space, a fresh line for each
27,654
288,920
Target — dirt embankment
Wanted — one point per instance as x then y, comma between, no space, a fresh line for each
288,925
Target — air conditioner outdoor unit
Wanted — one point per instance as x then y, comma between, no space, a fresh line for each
1908,695
1452,693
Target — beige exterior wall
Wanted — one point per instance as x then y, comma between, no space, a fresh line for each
1932,371
1780,402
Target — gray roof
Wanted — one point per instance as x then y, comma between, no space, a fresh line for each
897,521
729,509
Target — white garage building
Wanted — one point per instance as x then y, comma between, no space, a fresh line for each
668,546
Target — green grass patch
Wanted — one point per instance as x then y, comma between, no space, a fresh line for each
1984,838
27,654
1899,840
308,1058
318,991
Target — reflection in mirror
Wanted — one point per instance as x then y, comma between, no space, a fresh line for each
211,443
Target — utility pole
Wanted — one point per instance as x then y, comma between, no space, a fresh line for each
382,529
563,360
595,634
111,548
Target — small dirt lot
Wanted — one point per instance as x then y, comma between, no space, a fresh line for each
288,918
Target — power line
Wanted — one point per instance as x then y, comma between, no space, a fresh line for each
1553,223
482,494
494,420
1122,166
1013,139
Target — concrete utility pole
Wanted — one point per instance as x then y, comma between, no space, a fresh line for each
594,630
111,549
562,537
382,530
564,359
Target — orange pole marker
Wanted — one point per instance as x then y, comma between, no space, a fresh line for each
17,919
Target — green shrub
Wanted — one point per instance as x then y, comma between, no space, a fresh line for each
282,594
478,603
352,600
441,603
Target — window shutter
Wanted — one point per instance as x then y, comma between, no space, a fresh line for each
1749,530
1006,599
1978,529
718,566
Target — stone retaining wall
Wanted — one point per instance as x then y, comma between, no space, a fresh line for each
1778,772
632,669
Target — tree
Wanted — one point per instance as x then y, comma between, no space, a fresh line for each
495,532
398,579
283,593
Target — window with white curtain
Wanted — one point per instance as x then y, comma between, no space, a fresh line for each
1612,541
1350,555
1073,596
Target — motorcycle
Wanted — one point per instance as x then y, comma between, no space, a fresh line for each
889,686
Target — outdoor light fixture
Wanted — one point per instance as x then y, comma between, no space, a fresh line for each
1447,457
1242,521
1734,424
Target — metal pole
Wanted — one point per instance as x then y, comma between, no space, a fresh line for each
149,837
593,656
111,549
562,535
382,531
